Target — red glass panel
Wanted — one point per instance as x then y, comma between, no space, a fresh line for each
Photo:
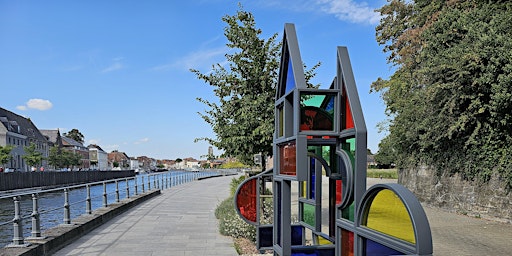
287,159
246,200
349,121
339,193
347,243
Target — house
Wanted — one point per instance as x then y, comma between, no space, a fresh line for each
98,157
147,163
20,132
76,147
118,160
53,137
134,164
191,162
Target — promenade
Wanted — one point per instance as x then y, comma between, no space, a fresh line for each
181,221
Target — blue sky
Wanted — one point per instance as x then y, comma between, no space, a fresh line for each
118,71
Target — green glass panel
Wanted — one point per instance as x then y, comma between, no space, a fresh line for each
348,213
308,214
389,215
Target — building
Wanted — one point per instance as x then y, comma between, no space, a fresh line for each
20,132
98,158
53,137
118,160
147,163
76,147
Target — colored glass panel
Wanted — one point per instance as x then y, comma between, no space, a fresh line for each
348,212
339,191
304,189
323,241
314,118
312,251
308,214
347,243
348,121
265,236
373,248
387,214
246,200
297,234
288,163
290,80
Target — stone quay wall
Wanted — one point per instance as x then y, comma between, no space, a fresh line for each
490,200
20,180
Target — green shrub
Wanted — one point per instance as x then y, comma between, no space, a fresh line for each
230,224
381,173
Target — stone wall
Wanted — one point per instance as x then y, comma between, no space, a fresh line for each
490,200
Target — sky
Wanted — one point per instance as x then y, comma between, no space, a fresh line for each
119,71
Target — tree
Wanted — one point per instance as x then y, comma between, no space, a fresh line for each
60,158
32,156
243,118
449,98
5,154
76,135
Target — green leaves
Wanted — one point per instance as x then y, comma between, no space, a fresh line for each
450,99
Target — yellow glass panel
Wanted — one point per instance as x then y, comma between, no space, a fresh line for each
388,215
323,241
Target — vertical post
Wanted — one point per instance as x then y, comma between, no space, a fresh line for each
135,184
127,188
36,223
67,212
170,180
17,224
149,182
154,181
117,191
105,202
88,205
157,182
143,184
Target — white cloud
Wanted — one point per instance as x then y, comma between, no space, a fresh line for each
351,11
143,140
94,141
110,148
38,104
117,65
196,60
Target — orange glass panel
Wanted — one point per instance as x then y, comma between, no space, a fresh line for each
246,200
287,161
388,215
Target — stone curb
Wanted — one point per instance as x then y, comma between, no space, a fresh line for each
58,237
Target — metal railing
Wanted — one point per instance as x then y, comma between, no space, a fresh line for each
105,190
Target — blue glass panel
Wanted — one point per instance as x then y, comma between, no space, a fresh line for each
265,236
375,249
290,80
297,231
313,251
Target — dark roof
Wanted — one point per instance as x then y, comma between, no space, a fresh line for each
70,141
20,125
96,146
51,134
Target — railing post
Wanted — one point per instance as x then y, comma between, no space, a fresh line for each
149,182
127,188
36,222
88,205
105,202
154,182
17,239
157,182
67,212
170,180
117,191
135,185
143,184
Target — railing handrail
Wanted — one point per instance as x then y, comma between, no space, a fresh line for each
166,178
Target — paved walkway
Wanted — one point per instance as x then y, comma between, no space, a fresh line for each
179,222
455,234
